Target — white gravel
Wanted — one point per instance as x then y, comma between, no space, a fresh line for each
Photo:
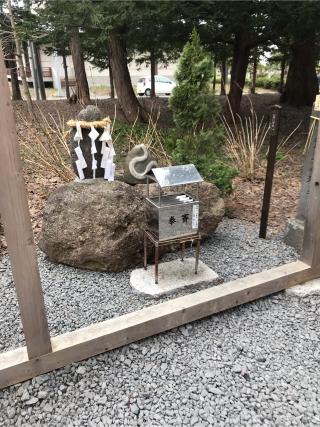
253,365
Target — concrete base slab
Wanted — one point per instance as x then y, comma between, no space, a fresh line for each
173,275
306,289
294,233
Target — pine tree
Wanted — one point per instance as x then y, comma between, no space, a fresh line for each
192,103
198,138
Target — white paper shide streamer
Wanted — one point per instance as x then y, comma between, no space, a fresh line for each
108,152
93,135
80,163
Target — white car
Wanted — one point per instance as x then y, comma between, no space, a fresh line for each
163,86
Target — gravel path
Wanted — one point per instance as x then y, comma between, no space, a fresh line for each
253,365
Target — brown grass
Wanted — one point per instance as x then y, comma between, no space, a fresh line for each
45,148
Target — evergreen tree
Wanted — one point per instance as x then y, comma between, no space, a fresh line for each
198,138
192,103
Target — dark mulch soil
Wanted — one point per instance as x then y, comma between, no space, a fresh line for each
245,202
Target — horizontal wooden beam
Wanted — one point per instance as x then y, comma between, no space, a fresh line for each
98,338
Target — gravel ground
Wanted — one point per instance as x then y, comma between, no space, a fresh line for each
253,365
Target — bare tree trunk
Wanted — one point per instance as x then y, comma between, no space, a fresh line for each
111,81
214,82
37,59
153,72
19,53
302,83
12,65
26,55
223,77
126,96
66,77
79,69
240,62
34,71
283,69
254,71
15,86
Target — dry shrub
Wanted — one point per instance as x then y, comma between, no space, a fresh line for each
44,142
151,137
44,145
244,139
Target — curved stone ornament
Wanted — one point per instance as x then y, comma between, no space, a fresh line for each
138,163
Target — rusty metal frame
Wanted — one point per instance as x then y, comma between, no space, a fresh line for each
148,235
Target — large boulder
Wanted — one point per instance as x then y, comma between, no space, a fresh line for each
98,225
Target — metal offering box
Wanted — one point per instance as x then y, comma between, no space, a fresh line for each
174,215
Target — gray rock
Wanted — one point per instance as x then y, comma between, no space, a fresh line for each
214,390
103,223
25,396
48,408
283,391
90,113
81,370
11,412
42,394
32,401
134,408
237,369
41,379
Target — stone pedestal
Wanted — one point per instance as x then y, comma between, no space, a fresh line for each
173,276
294,233
305,289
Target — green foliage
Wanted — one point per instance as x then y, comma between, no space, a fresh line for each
192,103
204,150
272,82
195,109
121,131
280,156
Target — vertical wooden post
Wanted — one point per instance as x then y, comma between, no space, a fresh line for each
311,242
274,129
17,226
309,160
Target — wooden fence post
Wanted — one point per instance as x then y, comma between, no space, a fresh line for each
309,160
18,231
311,242
273,145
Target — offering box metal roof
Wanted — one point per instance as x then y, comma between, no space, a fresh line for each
176,175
